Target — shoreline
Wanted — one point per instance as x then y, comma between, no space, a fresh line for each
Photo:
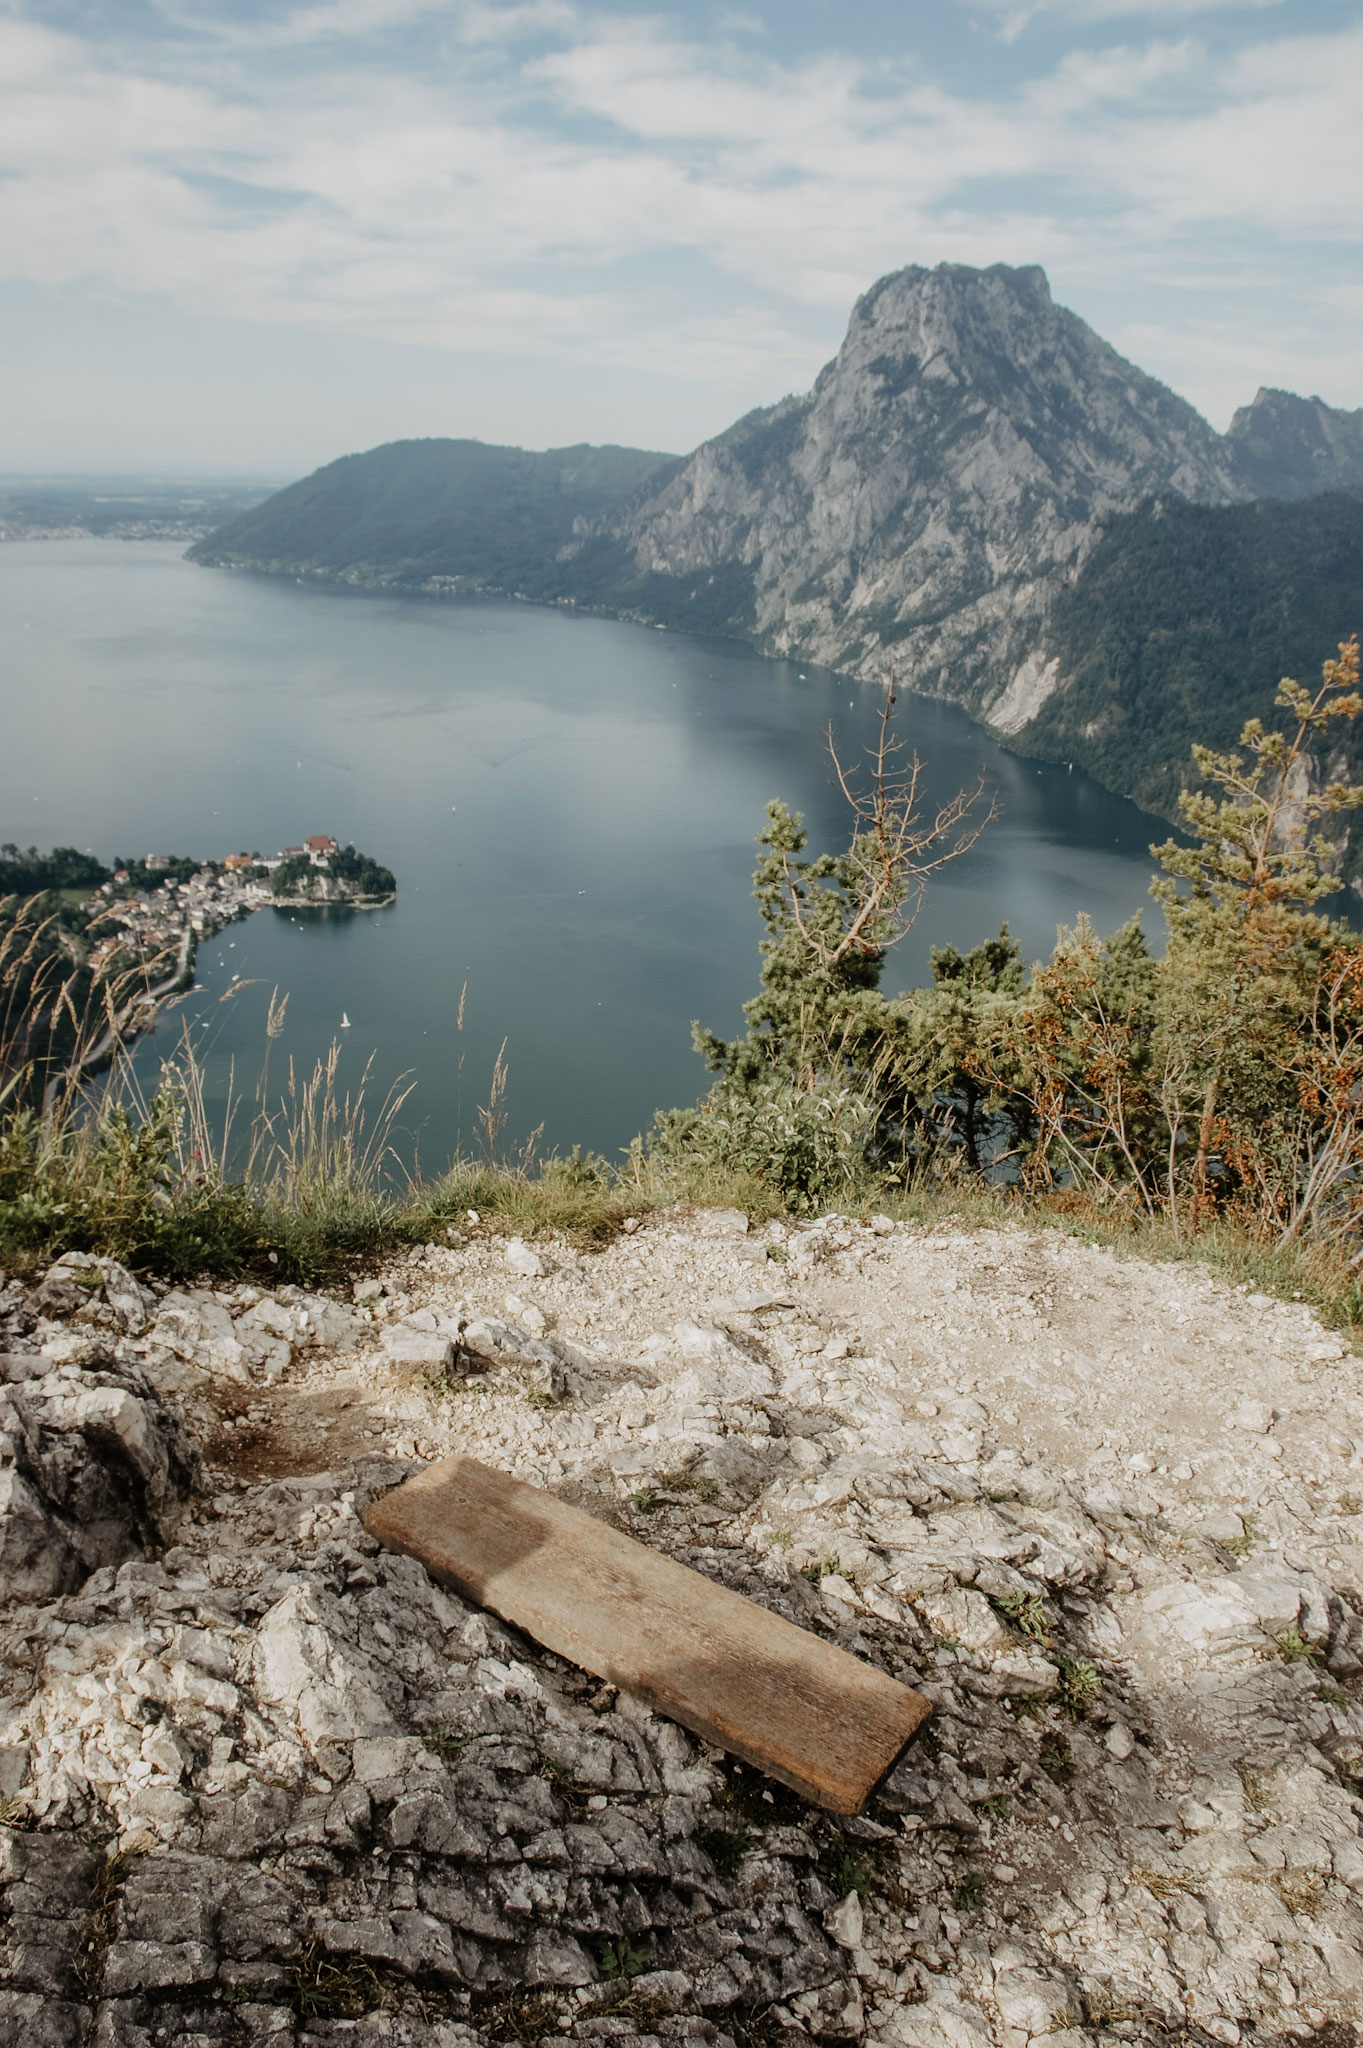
139,1015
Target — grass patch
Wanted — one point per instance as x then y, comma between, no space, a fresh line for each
1025,1612
1056,1758
445,1743
623,1958
513,2014
322,1193
755,2026
1261,1790
625,1999
1328,1695
1293,1647
1162,1884
324,1985
1241,1545
1301,1891
970,1892
682,1481
1079,1687
999,1807
566,1787
101,1921
844,1868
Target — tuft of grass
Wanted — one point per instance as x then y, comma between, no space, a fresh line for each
999,1807
1079,1687
685,1481
1293,1647
844,1868
1333,1696
1025,1612
644,1501
324,1985
821,1568
101,1921
970,1892
1056,1757
1025,1706
1301,1891
445,1743
625,1999
513,2013
566,1787
756,2026
1261,1790
1241,1545
622,1958
1162,1884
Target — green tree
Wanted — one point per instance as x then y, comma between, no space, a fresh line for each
816,1086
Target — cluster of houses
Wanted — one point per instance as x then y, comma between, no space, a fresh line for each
179,913
318,848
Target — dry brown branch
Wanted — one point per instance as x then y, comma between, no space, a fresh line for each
894,849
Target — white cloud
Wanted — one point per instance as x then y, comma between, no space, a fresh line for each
634,195
1016,17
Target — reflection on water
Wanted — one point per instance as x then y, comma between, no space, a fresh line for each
569,805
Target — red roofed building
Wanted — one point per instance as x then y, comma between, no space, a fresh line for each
319,847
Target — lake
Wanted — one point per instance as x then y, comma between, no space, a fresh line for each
569,805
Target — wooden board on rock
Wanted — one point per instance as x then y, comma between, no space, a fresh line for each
804,1712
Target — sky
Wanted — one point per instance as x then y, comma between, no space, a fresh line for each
242,237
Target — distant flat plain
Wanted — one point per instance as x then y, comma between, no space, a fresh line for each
569,805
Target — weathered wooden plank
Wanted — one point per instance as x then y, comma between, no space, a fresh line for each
804,1712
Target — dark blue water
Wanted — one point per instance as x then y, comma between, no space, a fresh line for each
569,805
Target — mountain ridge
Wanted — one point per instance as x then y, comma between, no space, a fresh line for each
924,505
435,512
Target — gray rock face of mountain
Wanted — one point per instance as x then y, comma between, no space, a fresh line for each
922,507
1290,447
923,501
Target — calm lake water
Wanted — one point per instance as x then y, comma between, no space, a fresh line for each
569,805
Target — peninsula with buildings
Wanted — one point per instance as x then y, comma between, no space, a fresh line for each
146,909
116,942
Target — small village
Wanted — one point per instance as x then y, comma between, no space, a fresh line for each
179,910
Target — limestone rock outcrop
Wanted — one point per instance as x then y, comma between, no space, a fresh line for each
93,1467
262,1784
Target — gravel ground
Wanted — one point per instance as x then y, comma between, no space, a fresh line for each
266,1784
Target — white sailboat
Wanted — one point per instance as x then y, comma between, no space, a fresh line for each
345,1021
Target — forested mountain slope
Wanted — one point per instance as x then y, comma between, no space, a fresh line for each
431,513
1179,627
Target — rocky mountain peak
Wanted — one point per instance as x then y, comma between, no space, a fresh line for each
947,468
1290,447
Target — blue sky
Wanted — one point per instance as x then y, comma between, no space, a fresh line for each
248,235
